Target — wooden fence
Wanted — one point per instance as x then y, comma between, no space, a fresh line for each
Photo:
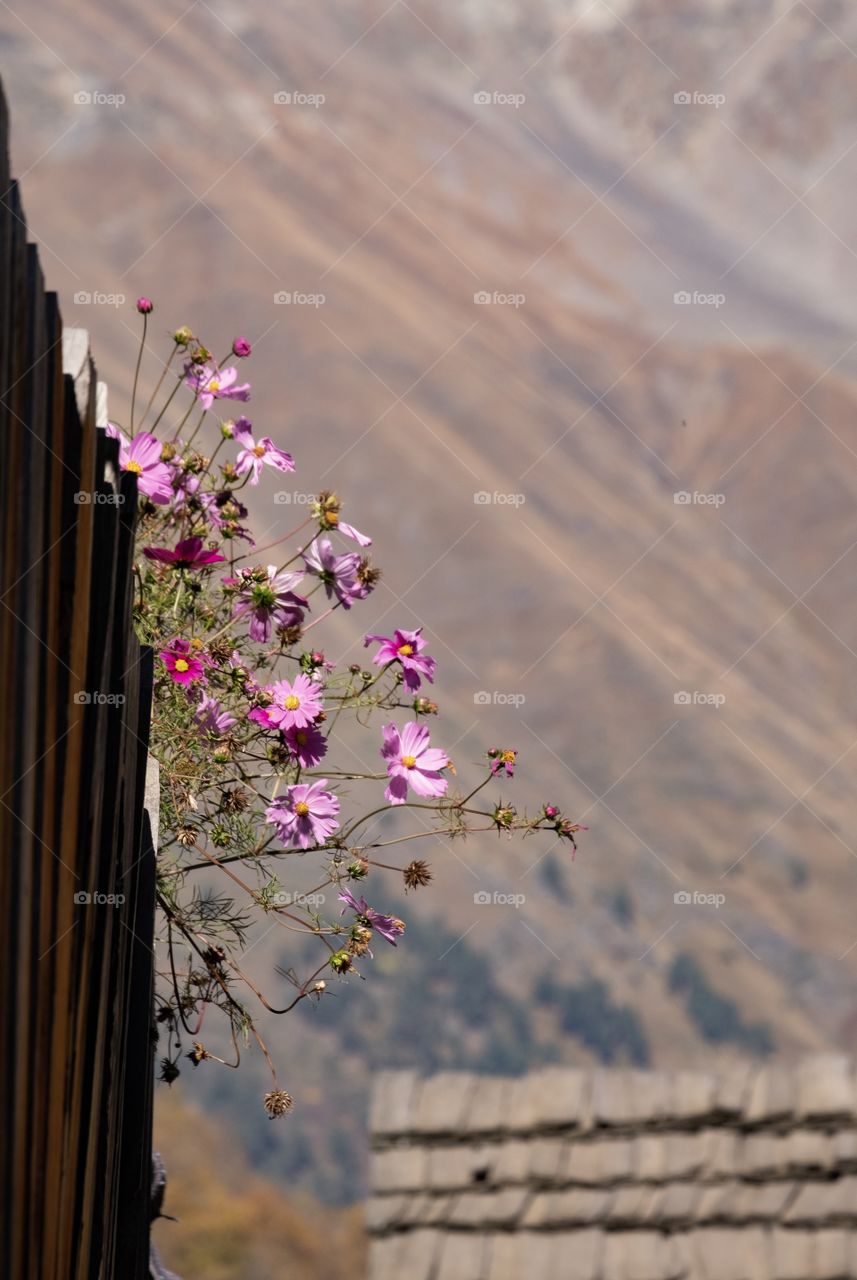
76,846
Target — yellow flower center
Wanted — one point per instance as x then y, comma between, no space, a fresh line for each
214,385
405,650
135,467
292,702
409,761
331,518
302,808
259,451
181,665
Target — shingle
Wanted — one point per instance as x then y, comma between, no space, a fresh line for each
825,1203
513,1161
454,1167
399,1169
732,1090
808,1149
718,1253
495,1209
383,1212
765,1201
831,1255
791,1254
599,1160
579,1206
844,1145
547,1159
717,1202
629,1097
649,1157
529,1255
490,1105
692,1095
577,1256
384,1258
443,1103
684,1154
632,1205
763,1154
773,1094
463,1256
639,1255
550,1098
721,1152
825,1087
675,1204
392,1099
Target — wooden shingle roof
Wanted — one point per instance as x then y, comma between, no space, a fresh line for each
617,1175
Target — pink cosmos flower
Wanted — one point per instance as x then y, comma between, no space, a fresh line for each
210,384
188,554
254,455
412,762
338,573
142,456
501,760
269,603
351,532
305,815
405,647
211,719
296,703
183,662
389,927
307,745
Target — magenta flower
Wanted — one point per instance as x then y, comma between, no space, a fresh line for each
305,815
501,760
188,554
296,703
271,602
405,647
351,532
183,662
142,457
209,384
338,573
412,762
307,745
253,456
389,927
211,719
145,306
241,348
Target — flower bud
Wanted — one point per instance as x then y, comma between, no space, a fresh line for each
241,348
145,306
183,336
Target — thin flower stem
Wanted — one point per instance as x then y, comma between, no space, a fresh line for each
158,385
137,371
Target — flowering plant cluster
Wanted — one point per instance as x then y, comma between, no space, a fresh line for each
246,709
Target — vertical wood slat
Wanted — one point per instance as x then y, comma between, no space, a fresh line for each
75,691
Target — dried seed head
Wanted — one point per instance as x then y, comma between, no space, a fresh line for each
416,874
278,1103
